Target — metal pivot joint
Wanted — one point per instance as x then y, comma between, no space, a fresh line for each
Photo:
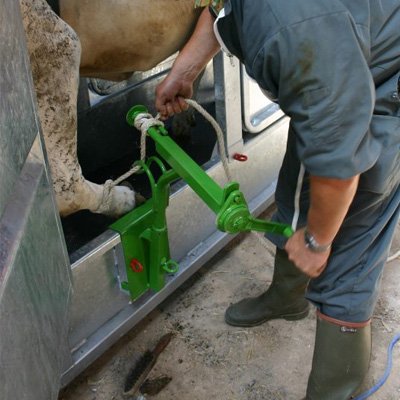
235,217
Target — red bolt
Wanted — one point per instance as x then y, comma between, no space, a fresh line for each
136,266
240,157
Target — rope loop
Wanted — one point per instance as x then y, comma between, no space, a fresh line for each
143,122
105,202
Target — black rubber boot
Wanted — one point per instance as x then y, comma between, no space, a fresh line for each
283,299
341,359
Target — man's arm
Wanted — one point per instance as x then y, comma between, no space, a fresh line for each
330,200
330,117
198,51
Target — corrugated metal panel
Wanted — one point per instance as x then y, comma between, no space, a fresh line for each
18,128
35,279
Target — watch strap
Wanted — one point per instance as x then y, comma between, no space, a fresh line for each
313,245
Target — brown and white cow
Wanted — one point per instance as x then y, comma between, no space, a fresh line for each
99,38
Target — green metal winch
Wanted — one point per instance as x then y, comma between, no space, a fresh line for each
143,231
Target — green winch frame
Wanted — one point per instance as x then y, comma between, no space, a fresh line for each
143,231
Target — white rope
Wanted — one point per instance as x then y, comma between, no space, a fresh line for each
224,159
143,122
219,133
393,257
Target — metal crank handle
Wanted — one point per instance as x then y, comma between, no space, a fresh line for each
270,227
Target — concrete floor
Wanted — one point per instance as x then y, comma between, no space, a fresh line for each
209,359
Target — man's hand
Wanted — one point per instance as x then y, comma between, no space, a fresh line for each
310,263
330,199
171,94
192,59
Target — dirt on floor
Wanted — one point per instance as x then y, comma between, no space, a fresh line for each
207,359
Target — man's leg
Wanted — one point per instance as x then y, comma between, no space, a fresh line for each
283,299
341,359
346,294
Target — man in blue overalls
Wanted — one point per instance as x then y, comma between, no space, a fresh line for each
333,66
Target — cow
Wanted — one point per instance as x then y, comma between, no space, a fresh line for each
100,39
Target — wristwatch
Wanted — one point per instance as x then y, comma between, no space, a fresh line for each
313,245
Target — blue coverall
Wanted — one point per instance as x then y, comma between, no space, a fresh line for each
334,67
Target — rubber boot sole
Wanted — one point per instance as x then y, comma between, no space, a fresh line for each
288,317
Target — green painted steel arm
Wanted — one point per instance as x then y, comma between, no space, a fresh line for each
228,203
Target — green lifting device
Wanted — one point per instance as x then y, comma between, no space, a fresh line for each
144,232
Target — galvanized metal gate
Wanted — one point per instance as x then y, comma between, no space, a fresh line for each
36,351
35,279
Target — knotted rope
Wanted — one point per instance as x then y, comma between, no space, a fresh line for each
142,122
145,121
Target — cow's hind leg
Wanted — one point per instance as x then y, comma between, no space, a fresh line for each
54,50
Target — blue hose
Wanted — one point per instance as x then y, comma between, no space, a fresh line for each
385,376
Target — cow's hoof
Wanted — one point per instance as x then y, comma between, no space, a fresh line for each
139,198
120,200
